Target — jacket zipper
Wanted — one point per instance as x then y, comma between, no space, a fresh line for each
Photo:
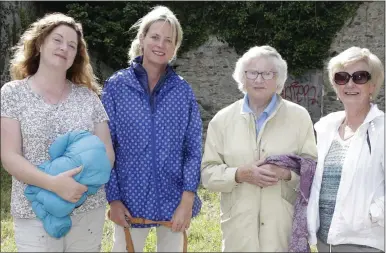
152,104
153,149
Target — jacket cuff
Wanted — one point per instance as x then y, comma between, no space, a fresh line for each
294,182
312,240
111,199
230,174
376,213
189,188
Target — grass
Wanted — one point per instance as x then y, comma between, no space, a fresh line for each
204,233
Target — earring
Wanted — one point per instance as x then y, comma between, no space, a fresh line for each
337,98
371,97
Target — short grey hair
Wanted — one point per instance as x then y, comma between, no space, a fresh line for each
353,55
158,13
268,52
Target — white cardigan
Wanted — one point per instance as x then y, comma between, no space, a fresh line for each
359,212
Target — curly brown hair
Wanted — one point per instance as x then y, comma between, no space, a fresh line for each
26,57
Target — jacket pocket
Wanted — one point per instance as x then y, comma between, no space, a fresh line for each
226,203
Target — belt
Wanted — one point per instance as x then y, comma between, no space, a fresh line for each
129,240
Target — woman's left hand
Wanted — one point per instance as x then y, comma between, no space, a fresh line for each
183,214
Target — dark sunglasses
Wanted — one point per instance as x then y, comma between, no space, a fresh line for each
359,77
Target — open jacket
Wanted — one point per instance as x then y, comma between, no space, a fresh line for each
254,218
67,152
359,212
157,142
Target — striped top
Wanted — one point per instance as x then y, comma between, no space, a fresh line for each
330,183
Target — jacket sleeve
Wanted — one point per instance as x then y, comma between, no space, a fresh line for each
377,207
112,187
193,148
216,175
307,143
307,147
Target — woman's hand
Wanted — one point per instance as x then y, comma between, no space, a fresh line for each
257,175
65,186
183,214
118,213
281,173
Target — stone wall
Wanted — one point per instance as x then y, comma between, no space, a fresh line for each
366,29
209,71
209,68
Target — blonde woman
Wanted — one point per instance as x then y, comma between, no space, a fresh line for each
53,91
156,131
346,207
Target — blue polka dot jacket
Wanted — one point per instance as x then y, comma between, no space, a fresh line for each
157,142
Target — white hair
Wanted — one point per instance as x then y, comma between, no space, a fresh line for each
353,55
158,13
268,52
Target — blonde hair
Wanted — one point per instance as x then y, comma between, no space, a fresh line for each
158,13
267,52
353,55
26,57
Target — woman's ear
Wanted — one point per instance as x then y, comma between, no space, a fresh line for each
38,50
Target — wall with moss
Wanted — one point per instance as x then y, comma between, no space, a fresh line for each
209,67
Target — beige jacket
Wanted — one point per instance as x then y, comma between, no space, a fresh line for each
253,218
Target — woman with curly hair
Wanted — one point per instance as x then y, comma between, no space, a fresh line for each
53,91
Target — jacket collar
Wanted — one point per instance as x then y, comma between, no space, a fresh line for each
272,108
268,110
333,120
140,82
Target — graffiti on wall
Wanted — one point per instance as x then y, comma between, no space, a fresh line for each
306,91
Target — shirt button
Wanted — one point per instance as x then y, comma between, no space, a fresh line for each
262,223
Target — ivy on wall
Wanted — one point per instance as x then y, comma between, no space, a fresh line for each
302,32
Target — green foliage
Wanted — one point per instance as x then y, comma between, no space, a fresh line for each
301,31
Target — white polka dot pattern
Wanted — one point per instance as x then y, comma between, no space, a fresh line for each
158,152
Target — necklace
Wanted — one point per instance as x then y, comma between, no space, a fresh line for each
346,131
43,94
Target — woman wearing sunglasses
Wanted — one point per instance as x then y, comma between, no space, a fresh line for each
346,206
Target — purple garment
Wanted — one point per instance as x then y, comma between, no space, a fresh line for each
305,168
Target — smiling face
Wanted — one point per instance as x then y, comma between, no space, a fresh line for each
59,48
158,44
260,89
352,94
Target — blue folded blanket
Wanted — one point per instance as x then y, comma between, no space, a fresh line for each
67,152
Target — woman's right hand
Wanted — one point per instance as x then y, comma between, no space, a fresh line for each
118,211
255,174
65,186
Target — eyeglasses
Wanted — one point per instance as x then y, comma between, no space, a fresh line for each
358,77
252,75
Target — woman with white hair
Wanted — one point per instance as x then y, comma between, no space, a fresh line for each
257,201
346,207
156,130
